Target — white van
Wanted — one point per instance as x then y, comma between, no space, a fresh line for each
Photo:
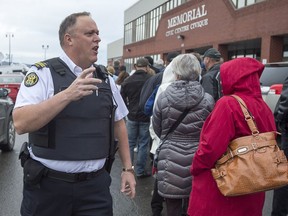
271,81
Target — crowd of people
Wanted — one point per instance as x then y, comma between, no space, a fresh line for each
177,112
200,87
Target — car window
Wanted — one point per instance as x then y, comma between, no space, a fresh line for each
273,75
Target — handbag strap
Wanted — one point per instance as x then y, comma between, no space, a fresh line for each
175,125
250,121
248,116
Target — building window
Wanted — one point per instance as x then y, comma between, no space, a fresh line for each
155,16
129,63
169,5
252,53
140,28
145,27
128,33
248,48
285,53
244,3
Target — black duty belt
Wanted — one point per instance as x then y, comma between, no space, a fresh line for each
72,177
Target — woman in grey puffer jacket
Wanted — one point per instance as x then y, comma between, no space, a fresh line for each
176,152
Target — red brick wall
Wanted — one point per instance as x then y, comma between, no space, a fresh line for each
225,25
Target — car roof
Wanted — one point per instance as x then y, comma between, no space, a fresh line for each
274,73
277,64
12,74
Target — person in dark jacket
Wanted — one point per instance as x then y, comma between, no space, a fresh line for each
116,66
280,196
211,80
151,64
153,82
150,85
177,150
159,64
137,122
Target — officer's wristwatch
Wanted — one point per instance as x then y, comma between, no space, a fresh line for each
128,170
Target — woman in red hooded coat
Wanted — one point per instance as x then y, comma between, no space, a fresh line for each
225,123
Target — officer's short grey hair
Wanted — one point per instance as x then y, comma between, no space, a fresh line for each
68,23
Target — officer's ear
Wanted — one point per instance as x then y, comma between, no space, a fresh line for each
68,39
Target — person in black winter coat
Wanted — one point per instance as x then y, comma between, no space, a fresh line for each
137,122
150,85
280,197
211,80
153,82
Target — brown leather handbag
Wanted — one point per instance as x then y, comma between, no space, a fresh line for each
251,163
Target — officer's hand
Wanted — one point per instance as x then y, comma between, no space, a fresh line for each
83,85
128,184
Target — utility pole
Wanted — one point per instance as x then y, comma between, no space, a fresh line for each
45,49
9,35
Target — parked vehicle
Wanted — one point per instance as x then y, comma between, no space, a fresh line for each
14,68
11,81
271,81
7,130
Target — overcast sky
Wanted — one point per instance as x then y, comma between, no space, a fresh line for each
36,22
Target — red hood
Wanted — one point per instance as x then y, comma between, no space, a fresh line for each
241,75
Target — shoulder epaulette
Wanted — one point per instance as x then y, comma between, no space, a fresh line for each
40,65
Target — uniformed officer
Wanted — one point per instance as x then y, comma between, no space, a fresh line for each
66,106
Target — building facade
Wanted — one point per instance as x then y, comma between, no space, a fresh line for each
237,28
115,51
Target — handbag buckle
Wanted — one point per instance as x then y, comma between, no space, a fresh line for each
242,150
222,173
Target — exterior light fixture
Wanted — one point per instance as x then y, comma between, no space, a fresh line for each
180,37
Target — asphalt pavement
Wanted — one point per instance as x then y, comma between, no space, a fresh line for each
140,205
11,175
124,206
11,188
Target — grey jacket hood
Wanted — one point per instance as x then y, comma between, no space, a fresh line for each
184,94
